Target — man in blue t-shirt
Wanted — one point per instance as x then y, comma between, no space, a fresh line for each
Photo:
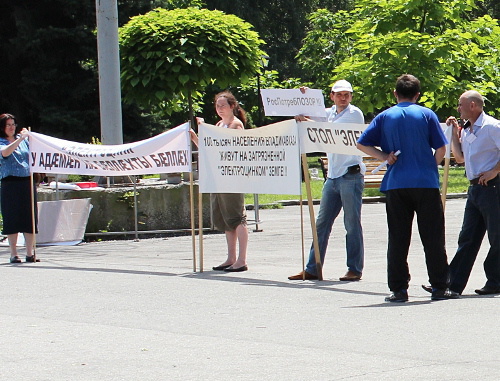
411,185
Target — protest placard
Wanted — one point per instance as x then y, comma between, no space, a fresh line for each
165,153
291,102
330,137
447,130
261,160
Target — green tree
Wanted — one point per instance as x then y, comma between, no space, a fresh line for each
281,24
327,40
438,41
46,79
48,76
168,56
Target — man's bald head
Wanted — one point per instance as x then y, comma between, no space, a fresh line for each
470,105
473,96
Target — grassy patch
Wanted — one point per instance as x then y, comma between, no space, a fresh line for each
268,206
457,183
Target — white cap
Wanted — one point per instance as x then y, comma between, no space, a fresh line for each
341,85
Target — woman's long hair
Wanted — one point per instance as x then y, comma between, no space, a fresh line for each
231,100
3,123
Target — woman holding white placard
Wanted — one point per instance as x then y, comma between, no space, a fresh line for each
228,209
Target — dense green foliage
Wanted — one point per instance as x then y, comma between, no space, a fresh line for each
167,55
435,40
282,24
326,45
48,76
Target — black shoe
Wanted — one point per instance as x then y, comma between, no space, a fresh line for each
400,296
32,259
237,269
220,268
427,288
444,294
488,290
15,259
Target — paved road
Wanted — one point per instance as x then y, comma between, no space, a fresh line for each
125,310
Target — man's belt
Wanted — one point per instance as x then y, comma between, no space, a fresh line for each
488,184
354,169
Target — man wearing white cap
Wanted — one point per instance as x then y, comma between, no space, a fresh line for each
343,189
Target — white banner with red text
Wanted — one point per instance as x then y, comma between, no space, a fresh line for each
167,152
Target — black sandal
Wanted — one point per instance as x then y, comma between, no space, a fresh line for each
15,259
31,259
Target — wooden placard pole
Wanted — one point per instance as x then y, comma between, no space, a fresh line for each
302,233
33,211
200,226
193,225
307,180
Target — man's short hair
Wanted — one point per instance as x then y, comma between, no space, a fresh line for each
474,96
407,86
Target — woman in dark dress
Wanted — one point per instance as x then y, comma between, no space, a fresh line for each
16,187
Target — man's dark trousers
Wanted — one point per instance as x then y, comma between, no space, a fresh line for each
482,214
401,205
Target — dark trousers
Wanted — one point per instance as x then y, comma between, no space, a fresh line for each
482,214
401,206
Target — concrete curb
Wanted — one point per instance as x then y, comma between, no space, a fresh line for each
366,200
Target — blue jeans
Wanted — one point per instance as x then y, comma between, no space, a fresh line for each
343,192
481,215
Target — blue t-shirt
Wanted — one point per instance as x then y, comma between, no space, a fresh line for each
16,164
415,131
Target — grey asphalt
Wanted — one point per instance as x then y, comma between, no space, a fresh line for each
125,310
